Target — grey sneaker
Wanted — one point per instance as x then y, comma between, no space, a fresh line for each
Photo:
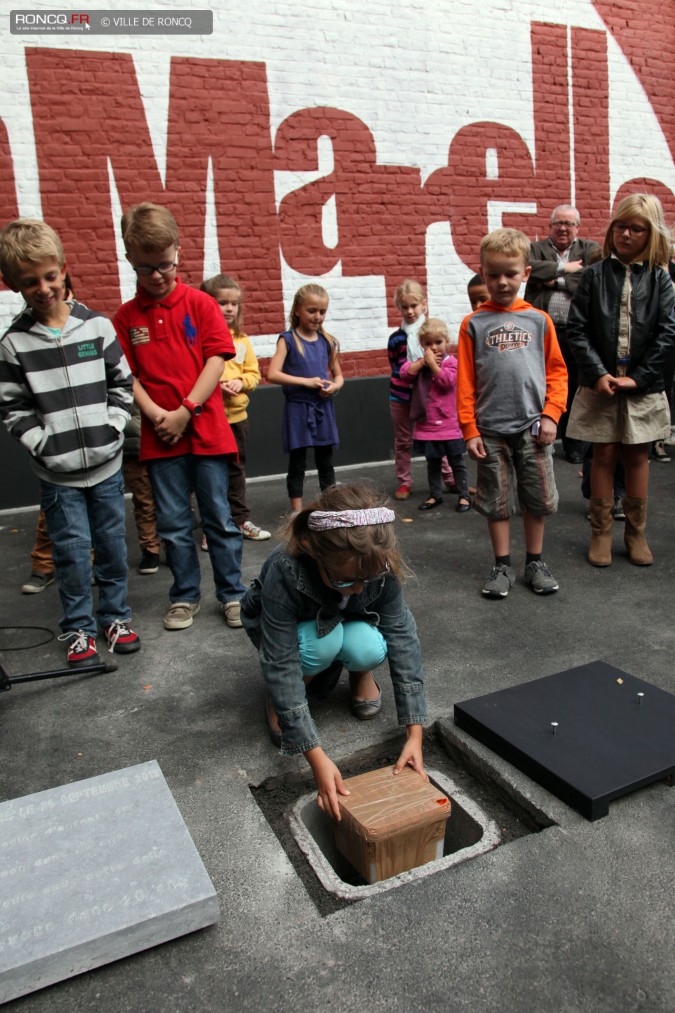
180,615
37,582
149,562
540,578
500,582
232,614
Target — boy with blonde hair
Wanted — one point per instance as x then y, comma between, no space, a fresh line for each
65,393
177,342
511,391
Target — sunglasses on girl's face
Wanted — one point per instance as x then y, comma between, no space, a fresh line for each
340,585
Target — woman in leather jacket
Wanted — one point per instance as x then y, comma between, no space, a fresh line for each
331,597
621,330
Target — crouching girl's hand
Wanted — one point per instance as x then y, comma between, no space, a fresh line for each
411,754
328,781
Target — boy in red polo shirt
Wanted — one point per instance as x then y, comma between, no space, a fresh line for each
176,342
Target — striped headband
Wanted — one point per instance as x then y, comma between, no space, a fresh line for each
326,520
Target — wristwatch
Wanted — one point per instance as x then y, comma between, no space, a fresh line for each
192,406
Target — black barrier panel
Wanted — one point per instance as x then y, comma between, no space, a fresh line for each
361,407
19,486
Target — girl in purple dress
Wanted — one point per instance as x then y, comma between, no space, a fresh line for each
307,364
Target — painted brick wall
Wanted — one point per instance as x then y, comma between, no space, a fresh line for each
354,142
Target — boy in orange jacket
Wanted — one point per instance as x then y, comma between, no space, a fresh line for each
511,391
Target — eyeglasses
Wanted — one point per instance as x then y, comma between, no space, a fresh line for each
564,225
635,230
166,267
340,585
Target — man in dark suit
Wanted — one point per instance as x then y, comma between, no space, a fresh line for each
557,263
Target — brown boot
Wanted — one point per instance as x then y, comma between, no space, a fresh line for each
600,549
639,552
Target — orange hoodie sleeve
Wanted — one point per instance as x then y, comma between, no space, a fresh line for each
556,374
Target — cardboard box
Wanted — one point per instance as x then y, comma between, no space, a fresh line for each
391,823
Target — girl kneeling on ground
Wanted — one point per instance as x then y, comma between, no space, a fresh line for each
332,597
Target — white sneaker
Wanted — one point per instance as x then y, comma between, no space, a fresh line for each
252,531
232,614
180,615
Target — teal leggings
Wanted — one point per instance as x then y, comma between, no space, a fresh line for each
359,646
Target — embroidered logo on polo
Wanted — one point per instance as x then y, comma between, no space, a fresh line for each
87,350
507,337
190,329
139,335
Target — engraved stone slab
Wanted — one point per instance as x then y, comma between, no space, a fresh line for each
94,871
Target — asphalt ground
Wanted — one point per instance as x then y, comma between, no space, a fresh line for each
575,918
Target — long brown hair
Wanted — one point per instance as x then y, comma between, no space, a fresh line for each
311,288
371,547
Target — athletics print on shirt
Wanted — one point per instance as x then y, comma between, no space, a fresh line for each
508,336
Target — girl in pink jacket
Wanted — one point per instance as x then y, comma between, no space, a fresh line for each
434,412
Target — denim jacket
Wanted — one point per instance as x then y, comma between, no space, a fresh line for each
290,590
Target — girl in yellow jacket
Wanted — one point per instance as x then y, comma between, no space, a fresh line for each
241,375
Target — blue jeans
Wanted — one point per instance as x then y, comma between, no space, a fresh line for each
173,479
77,520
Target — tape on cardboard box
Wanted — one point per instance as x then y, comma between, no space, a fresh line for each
391,823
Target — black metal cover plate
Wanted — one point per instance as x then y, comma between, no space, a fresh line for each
609,740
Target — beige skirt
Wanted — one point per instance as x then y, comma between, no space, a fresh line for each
624,418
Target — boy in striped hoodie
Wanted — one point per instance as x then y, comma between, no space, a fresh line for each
65,393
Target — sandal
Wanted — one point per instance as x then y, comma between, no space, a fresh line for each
430,503
660,453
463,504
